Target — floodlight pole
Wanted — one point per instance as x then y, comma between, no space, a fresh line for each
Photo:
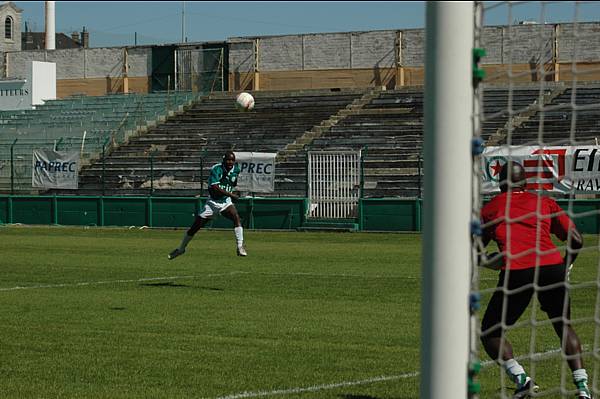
182,21
447,201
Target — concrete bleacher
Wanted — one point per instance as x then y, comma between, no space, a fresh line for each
184,147
498,110
174,157
80,123
570,118
389,131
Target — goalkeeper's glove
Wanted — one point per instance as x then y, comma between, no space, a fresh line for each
492,261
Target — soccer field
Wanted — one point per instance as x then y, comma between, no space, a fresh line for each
102,313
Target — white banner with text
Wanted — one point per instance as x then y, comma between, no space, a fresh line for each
556,169
53,169
257,171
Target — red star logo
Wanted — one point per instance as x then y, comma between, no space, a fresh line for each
496,168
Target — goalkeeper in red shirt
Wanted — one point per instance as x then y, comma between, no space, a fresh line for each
521,223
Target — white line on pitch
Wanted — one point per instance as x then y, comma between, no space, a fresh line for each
140,280
352,275
317,387
88,283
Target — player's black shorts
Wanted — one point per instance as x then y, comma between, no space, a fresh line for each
552,299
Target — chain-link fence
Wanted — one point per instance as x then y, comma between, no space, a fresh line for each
200,70
88,125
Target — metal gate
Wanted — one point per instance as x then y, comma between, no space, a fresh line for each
200,70
162,68
334,184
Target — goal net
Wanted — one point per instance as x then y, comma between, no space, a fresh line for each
538,104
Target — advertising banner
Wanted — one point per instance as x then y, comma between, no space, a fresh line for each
556,169
53,169
257,171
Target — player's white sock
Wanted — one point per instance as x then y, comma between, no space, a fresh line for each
515,371
580,377
184,242
239,235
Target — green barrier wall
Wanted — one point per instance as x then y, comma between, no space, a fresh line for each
256,213
376,214
381,214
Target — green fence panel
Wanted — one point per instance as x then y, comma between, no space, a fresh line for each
585,214
381,214
78,211
126,211
378,214
4,210
286,213
174,212
32,210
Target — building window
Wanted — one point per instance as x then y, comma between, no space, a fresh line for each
8,28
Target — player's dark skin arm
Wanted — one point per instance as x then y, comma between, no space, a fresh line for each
493,260
574,244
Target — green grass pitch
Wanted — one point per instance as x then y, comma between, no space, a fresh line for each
102,313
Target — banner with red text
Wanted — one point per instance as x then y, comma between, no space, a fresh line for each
569,169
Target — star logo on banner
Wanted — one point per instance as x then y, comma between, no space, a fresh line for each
494,166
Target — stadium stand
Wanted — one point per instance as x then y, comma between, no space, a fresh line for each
561,117
174,157
389,130
81,122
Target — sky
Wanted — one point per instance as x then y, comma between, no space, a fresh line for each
123,23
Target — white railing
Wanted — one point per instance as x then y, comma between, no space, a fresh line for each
334,184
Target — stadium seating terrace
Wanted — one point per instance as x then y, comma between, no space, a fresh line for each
174,156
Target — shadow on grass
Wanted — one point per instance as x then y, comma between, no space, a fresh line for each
176,285
164,284
367,397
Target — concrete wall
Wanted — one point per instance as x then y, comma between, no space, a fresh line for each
359,58
314,51
348,59
579,42
94,71
85,63
515,44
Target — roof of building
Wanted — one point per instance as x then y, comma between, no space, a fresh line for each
11,5
37,41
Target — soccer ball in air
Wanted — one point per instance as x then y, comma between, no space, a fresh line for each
244,102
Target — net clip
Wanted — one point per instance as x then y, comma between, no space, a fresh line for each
478,72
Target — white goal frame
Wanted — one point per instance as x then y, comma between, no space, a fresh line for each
447,201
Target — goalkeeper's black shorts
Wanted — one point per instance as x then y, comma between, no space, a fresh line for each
552,294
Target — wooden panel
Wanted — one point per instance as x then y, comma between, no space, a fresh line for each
317,79
99,86
239,81
414,76
585,71
90,87
517,73
139,84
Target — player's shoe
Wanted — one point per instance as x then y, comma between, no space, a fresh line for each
241,251
175,253
526,388
582,390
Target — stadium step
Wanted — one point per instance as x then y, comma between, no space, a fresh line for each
329,225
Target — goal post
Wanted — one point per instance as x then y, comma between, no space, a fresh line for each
447,200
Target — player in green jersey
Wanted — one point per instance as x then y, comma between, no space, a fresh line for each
221,183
